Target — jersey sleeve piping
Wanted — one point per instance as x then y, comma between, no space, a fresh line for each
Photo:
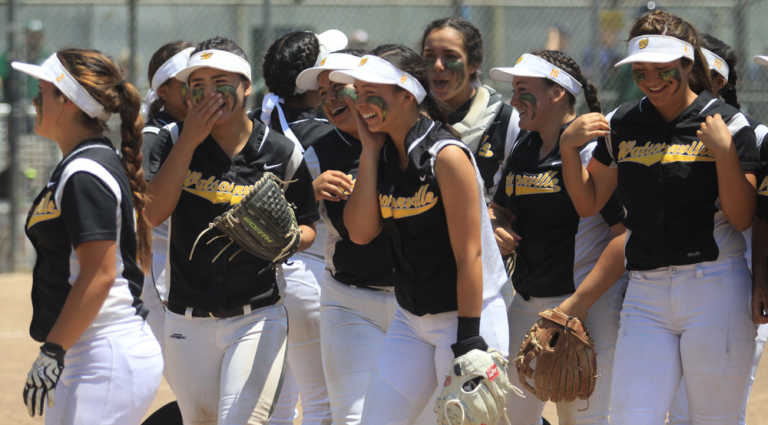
88,166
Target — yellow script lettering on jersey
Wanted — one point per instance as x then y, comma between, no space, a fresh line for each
407,206
531,184
216,191
652,153
44,210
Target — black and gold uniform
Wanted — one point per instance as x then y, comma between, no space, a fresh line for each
558,247
88,198
668,182
414,218
213,184
349,263
490,129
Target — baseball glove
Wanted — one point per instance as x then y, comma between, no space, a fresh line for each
263,224
475,390
558,355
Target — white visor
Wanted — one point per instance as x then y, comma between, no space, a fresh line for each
761,60
373,69
216,59
330,41
716,63
529,65
656,48
54,72
307,79
171,67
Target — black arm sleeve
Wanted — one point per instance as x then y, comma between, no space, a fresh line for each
88,209
601,153
613,211
746,147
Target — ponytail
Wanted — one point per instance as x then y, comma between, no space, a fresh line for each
104,81
131,125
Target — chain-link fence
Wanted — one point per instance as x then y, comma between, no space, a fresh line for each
591,31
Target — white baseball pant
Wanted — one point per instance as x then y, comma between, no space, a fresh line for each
602,323
414,359
226,371
678,414
692,321
302,300
353,323
108,380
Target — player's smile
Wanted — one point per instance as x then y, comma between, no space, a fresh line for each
333,102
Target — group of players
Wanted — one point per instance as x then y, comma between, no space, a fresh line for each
420,196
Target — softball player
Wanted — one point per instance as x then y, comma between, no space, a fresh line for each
679,159
533,215
224,320
453,49
417,184
164,105
87,277
357,300
722,64
285,59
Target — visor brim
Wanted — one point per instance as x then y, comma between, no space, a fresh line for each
35,71
650,57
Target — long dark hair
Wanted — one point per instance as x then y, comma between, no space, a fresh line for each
470,35
104,80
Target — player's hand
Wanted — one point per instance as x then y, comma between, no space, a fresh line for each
759,303
367,138
42,378
506,238
332,185
583,129
572,307
715,135
200,119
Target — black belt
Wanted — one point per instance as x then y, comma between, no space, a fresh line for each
263,300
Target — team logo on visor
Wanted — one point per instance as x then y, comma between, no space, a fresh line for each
322,62
403,79
363,61
206,55
642,43
518,60
718,64
60,77
553,73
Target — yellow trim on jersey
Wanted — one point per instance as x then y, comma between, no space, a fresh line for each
532,184
44,210
407,206
762,190
214,190
661,152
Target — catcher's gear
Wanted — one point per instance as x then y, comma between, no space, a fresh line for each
475,390
565,360
263,224
42,378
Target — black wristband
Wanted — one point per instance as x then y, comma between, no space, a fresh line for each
468,327
54,351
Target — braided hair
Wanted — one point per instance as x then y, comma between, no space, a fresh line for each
103,80
286,58
567,64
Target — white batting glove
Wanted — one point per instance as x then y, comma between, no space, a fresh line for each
43,377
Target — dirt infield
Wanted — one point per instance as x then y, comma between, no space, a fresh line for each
19,350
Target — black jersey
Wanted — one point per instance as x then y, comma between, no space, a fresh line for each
87,198
415,221
762,178
558,247
348,262
305,123
668,182
213,184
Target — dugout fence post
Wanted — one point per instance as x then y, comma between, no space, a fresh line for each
15,123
